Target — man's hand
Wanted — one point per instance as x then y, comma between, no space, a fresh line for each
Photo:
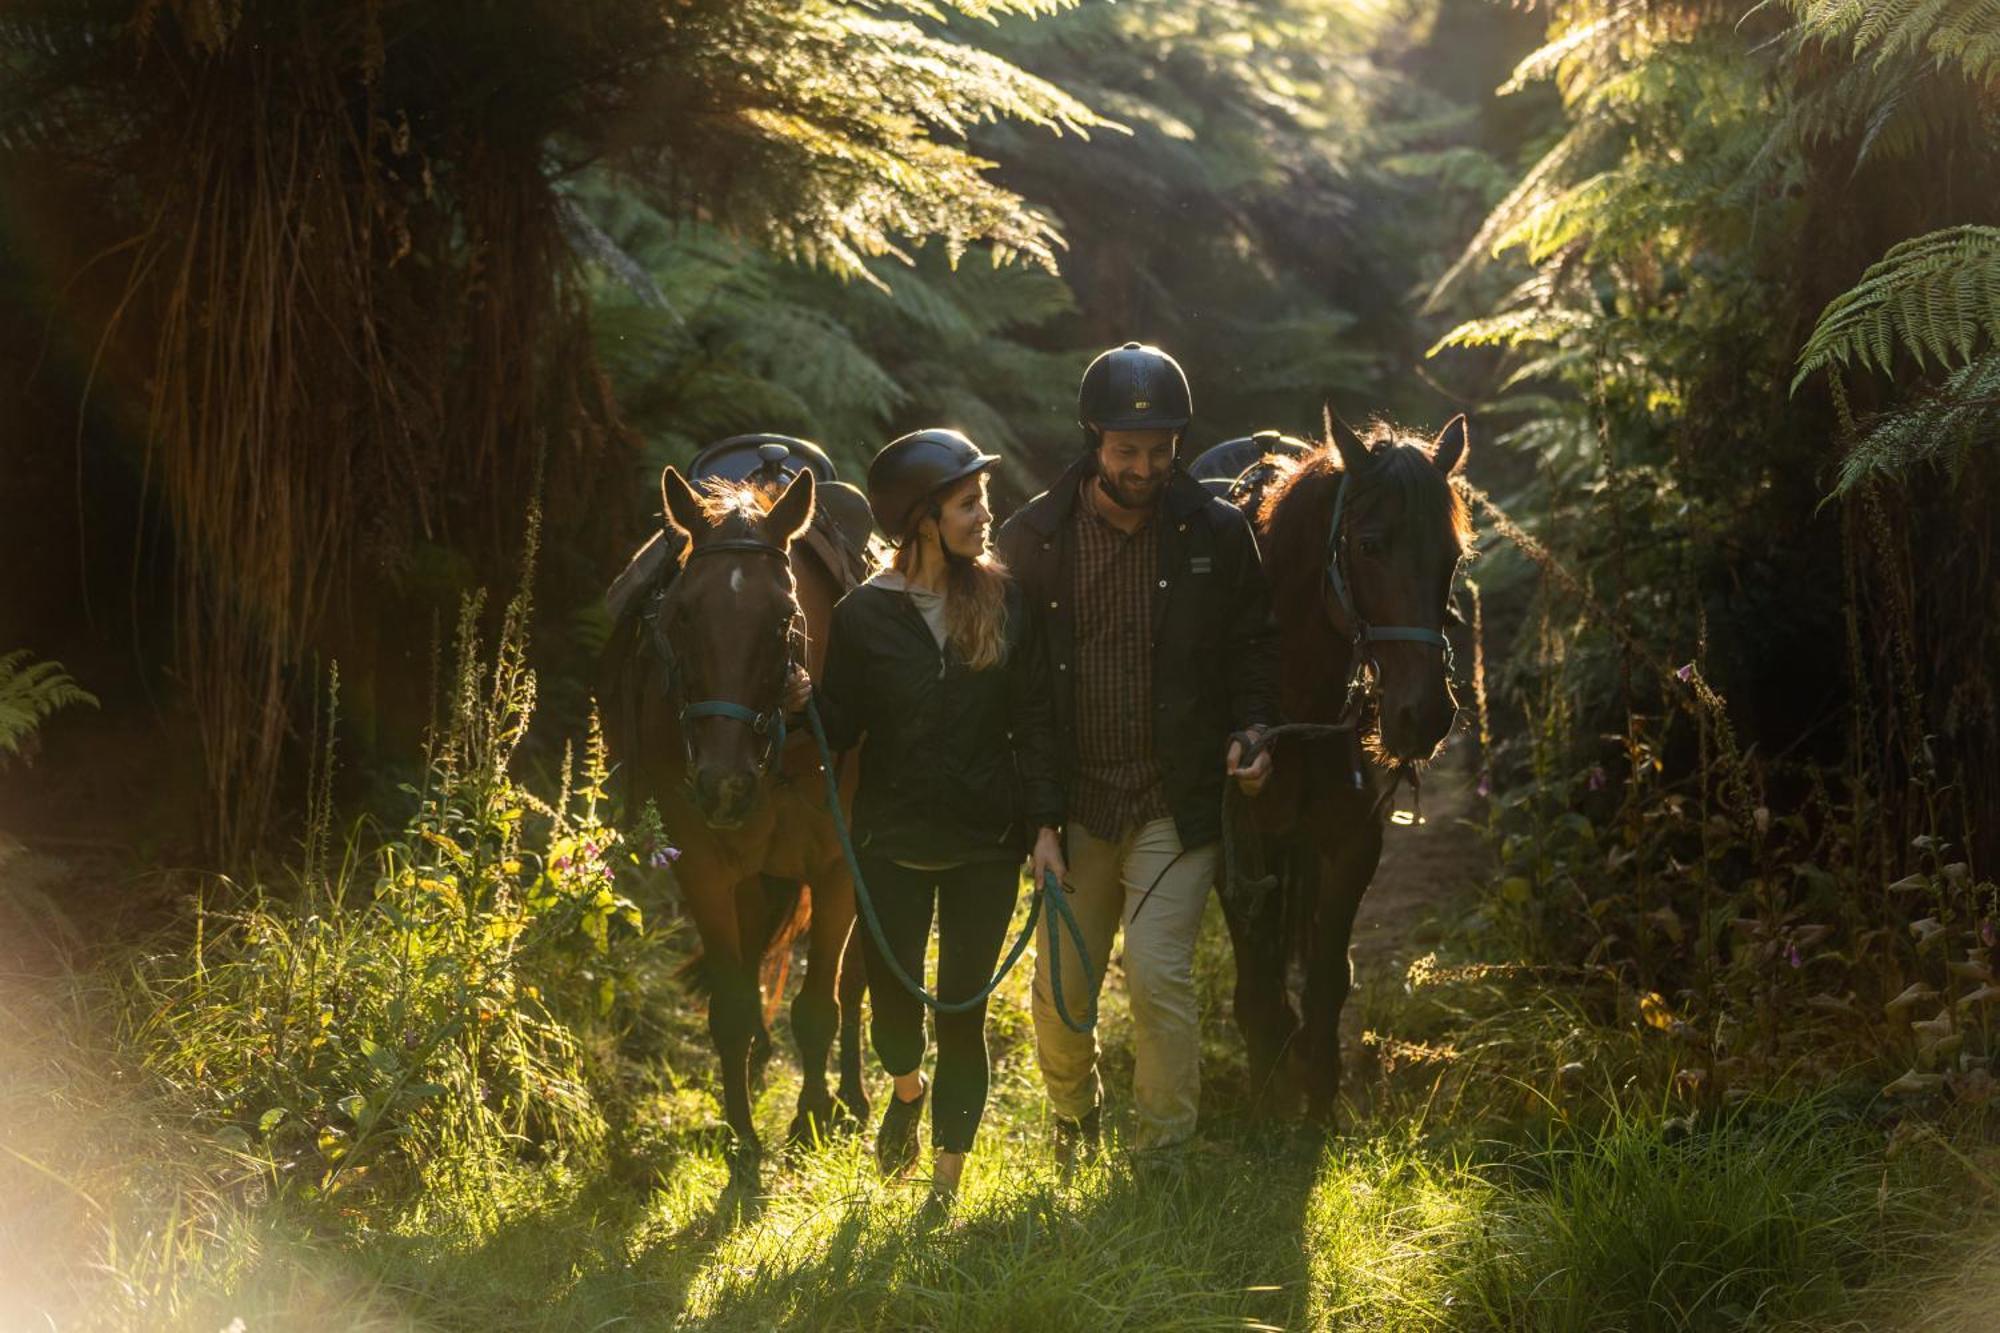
1048,857
1250,779
798,689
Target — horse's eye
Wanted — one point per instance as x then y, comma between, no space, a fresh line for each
1368,544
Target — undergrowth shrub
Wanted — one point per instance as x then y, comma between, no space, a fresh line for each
1742,907
404,1023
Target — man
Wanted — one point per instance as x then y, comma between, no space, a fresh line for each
1160,642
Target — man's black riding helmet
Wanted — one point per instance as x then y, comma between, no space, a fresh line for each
914,468
1134,387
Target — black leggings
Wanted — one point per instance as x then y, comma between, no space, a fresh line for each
974,904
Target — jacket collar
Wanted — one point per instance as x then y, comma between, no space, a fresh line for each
1048,512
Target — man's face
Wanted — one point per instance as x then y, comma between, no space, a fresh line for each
1132,465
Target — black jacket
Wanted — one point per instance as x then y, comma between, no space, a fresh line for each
959,764
1215,646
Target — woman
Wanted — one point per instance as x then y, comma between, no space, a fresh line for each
930,661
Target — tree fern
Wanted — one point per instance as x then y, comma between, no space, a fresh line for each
1936,296
1942,428
29,693
1961,33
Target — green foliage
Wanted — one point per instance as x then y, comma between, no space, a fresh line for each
1936,296
1514,1175
1964,33
29,692
407,1021
1945,426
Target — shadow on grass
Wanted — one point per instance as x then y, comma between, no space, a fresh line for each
1211,1238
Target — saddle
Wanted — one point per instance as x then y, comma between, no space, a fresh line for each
842,522
1238,470
838,538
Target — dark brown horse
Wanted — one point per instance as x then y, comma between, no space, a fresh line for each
1361,541
696,675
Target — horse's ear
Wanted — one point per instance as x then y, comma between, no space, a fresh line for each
680,504
1354,451
791,512
1448,450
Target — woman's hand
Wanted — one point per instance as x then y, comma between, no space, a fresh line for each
1048,857
798,689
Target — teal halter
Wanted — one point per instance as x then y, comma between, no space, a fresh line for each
769,723
1363,632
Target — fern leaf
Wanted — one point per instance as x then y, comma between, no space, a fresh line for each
1936,296
29,692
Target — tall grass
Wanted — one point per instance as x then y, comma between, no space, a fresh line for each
1440,1212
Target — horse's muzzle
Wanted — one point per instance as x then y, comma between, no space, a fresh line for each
724,800
1413,732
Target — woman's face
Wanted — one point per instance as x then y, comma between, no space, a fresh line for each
963,520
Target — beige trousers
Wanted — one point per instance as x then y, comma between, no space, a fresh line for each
1110,883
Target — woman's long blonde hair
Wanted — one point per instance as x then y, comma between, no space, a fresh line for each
975,597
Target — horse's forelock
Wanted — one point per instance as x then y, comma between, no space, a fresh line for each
1297,508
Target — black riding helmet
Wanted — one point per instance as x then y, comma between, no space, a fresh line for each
1134,387
912,469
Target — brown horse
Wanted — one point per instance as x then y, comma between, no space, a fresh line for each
1361,540
697,669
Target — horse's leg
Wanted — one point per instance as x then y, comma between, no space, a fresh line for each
772,908
853,1093
1343,878
1263,1011
816,1011
734,1004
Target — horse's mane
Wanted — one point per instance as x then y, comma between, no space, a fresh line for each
1293,518
735,506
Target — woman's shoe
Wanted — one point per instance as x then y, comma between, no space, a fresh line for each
896,1139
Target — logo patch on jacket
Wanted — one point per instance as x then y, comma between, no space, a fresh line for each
1200,564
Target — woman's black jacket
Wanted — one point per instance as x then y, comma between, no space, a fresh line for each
959,765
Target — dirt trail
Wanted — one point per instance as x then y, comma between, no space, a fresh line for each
1425,867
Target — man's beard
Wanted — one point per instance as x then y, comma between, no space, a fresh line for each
1115,493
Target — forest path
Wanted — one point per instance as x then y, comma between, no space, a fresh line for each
1426,868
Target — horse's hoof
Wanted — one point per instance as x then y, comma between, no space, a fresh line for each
810,1128
850,1115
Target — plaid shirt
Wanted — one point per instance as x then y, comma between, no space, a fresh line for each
1117,779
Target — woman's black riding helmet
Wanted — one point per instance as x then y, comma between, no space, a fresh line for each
1134,387
913,469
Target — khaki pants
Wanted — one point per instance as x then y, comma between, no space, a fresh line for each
1109,882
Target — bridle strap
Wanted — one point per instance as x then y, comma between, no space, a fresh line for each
769,724
1336,577
744,545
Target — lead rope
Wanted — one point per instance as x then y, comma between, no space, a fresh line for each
1049,890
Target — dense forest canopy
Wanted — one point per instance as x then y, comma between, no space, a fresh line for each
1716,280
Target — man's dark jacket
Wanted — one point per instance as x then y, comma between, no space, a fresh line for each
1215,646
959,764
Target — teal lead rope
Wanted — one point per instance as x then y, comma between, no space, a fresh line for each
1049,892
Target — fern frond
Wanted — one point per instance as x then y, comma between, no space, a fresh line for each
1945,33
1944,427
29,692
1936,296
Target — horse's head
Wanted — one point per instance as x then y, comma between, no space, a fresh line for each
726,626
1398,532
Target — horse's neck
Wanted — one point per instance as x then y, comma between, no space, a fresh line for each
1313,658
